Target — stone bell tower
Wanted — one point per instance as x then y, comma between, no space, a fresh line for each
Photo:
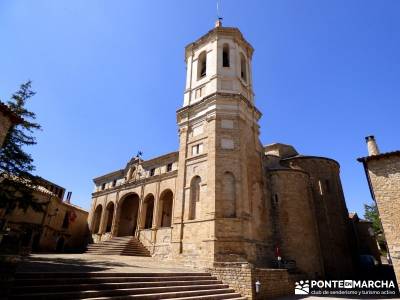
219,202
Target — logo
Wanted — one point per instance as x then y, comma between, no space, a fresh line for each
302,287
345,287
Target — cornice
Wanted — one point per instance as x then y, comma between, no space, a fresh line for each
136,183
220,31
208,99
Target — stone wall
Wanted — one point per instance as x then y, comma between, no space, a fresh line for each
274,283
331,213
157,241
296,232
384,174
242,278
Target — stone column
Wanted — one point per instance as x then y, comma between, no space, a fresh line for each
140,210
115,223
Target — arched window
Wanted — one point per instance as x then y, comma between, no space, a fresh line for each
228,196
202,65
243,69
225,56
194,196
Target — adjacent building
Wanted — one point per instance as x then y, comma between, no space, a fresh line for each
365,241
7,119
62,227
223,196
383,176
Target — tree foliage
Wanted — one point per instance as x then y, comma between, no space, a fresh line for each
371,214
16,166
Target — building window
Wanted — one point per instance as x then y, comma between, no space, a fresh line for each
274,200
199,92
225,56
152,171
169,167
197,149
65,223
114,183
103,186
202,65
243,70
327,186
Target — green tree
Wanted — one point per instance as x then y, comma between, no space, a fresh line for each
16,166
371,214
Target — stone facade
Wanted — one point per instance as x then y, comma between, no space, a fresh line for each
383,175
242,277
223,197
365,242
62,227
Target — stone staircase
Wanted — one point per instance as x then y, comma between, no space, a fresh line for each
101,286
126,245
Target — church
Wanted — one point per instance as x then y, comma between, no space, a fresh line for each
223,197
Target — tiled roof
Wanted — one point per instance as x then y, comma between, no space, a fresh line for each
383,155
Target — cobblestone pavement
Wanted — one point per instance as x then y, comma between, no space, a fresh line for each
97,263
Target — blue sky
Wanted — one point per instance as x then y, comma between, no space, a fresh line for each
109,77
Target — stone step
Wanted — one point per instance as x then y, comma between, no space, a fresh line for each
114,245
210,296
63,275
120,253
54,288
120,279
227,296
116,248
142,293
109,285
112,241
129,246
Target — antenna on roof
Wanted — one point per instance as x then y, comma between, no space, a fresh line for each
219,14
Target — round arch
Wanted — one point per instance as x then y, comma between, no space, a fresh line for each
97,218
148,211
165,208
110,215
128,214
